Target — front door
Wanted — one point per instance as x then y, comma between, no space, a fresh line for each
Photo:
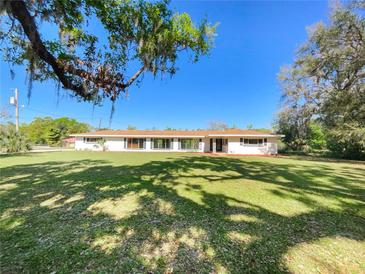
219,145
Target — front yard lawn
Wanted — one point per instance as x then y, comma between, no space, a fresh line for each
189,213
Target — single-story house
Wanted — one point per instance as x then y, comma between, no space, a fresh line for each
233,141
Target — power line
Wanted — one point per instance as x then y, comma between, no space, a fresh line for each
87,118
95,121
55,114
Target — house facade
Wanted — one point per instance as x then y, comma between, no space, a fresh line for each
235,141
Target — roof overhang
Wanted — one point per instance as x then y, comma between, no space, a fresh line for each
244,135
177,136
140,136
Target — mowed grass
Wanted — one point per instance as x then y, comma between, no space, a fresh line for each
183,213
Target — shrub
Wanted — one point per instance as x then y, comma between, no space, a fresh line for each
12,141
347,144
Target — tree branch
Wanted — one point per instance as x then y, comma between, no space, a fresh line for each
21,13
135,76
61,69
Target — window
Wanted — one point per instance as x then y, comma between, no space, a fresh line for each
92,140
252,142
188,144
136,143
161,143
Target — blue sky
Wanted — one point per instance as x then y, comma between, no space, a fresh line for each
236,84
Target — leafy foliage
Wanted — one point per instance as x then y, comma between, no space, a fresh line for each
52,131
12,141
295,126
347,144
217,125
142,34
250,126
131,127
327,81
317,139
37,130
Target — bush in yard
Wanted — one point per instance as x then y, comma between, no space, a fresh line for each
101,143
12,141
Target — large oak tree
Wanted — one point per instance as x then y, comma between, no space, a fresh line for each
326,83
145,35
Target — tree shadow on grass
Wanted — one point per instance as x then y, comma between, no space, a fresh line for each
322,159
90,215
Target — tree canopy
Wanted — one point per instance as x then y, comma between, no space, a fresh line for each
145,35
217,125
52,131
326,83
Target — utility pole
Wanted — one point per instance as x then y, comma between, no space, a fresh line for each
100,123
16,110
14,101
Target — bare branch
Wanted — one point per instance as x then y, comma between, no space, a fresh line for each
135,76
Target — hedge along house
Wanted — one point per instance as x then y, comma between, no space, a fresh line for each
234,141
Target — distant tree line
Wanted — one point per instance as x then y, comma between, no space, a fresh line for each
324,89
44,131
51,131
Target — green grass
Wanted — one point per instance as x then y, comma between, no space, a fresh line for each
188,213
